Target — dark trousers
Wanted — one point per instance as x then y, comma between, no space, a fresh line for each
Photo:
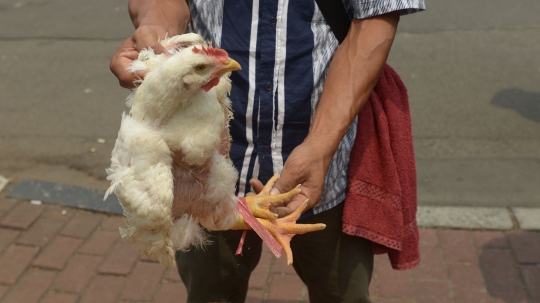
335,267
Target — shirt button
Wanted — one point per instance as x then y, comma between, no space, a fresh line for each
273,20
268,86
267,149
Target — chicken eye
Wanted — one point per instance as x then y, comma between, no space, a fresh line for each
200,68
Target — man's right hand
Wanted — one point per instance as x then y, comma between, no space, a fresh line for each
153,20
144,37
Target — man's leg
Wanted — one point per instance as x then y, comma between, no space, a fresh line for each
335,266
215,274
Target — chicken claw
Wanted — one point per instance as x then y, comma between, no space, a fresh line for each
260,203
282,229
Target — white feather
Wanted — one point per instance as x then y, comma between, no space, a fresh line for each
187,232
140,154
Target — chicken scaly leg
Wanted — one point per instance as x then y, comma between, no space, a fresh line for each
282,229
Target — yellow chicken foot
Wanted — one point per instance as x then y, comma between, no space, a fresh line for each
259,204
268,186
283,229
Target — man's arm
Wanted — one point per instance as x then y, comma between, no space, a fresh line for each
153,19
352,75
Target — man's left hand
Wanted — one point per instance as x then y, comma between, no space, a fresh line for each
304,166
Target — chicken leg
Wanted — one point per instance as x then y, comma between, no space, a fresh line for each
282,229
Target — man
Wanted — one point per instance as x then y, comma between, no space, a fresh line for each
283,123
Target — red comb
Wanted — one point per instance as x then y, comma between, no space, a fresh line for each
210,51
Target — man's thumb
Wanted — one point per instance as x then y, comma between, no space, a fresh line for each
275,191
158,48
282,185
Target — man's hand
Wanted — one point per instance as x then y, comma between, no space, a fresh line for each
153,20
304,166
144,37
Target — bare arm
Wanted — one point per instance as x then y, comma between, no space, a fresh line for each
153,19
352,75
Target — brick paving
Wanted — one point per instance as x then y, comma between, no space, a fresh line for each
54,254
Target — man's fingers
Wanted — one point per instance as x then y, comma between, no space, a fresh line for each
141,74
144,37
155,45
275,191
283,185
127,79
130,54
159,49
119,66
284,211
256,185
291,206
121,61
149,36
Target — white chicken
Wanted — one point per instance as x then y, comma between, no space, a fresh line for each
170,167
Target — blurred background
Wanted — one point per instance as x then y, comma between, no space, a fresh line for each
472,69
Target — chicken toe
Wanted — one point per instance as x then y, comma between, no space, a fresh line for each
260,204
283,229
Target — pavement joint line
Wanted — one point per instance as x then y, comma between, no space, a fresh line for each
428,216
528,218
513,217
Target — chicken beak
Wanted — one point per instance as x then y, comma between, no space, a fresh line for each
229,66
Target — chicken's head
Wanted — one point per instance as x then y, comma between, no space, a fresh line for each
178,78
199,67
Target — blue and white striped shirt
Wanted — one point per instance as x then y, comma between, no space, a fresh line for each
285,48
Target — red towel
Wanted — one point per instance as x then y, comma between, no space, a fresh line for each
381,199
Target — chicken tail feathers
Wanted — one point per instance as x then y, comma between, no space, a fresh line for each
156,245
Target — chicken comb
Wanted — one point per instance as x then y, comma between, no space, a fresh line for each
210,51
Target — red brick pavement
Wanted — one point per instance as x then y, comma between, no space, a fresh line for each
53,254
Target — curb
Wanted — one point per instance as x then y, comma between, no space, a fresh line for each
492,218
454,217
67,195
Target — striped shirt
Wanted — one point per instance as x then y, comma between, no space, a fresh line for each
285,48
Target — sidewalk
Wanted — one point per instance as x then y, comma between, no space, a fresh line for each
54,254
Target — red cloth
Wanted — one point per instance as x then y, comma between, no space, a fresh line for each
381,198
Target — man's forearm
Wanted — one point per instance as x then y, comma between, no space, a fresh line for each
352,75
171,15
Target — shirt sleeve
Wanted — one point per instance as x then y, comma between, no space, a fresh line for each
369,8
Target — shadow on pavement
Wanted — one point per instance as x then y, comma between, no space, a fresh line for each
525,103
502,269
